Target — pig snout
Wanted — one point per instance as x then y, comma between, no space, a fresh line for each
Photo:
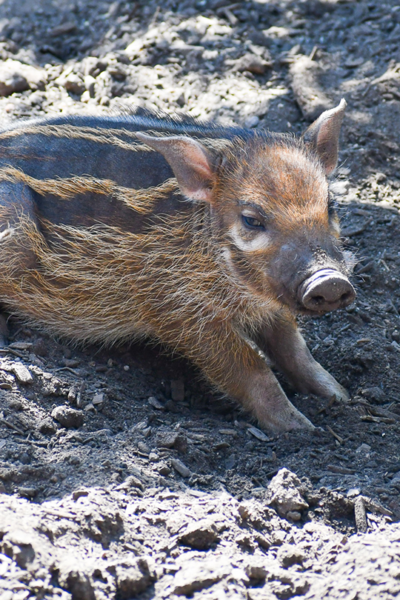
326,290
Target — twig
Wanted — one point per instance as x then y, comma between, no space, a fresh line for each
313,53
335,435
11,426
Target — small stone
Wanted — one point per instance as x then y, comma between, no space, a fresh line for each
353,492
133,481
27,492
263,541
177,390
164,470
180,467
155,403
252,122
199,535
74,84
18,77
71,363
351,63
133,580
293,515
153,457
290,555
79,494
98,399
21,345
68,417
67,27
257,433
252,63
173,439
285,495
90,83
255,570
22,373
47,427
198,575
142,447
363,449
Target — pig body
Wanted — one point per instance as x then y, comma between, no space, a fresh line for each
206,239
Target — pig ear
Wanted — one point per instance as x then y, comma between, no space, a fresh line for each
190,161
323,136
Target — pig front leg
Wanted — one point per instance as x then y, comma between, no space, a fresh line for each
239,371
285,346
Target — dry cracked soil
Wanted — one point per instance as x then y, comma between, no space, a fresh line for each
122,474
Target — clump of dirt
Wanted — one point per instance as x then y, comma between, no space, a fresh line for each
121,473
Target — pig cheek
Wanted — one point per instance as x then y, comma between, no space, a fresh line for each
251,268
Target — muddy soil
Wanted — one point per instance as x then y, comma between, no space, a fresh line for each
122,474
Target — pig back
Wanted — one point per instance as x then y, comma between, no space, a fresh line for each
91,150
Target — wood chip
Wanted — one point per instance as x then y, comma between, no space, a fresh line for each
360,515
228,432
339,469
257,433
335,435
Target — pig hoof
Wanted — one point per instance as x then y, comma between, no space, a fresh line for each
340,394
287,421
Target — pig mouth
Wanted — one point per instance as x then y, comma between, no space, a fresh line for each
324,291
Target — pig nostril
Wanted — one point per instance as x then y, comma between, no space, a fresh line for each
326,290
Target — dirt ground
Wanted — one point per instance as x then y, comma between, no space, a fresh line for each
121,474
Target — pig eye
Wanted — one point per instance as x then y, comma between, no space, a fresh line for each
252,223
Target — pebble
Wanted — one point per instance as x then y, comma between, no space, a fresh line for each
199,535
155,403
47,427
173,439
196,575
68,417
18,77
252,122
289,555
142,447
252,63
257,433
98,399
363,449
285,495
133,579
22,373
180,467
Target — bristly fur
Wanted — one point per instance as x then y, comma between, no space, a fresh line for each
147,261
